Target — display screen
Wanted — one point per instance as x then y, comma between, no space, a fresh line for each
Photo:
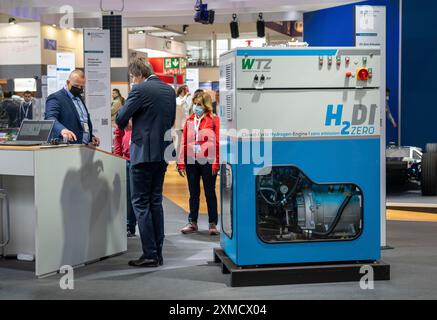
38,131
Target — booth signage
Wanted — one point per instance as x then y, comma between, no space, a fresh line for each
98,83
65,63
370,26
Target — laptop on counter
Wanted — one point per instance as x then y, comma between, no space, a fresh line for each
32,133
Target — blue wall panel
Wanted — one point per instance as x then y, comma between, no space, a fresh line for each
330,27
336,27
419,68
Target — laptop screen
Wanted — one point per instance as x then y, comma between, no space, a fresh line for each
38,131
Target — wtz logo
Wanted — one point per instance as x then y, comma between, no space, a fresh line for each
262,64
362,122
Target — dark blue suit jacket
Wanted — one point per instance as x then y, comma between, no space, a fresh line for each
60,107
152,107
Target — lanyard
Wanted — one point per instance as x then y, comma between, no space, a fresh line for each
197,122
83,115
25,110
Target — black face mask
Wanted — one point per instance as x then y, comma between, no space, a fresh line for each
75,91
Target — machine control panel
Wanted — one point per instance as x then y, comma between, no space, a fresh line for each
310,68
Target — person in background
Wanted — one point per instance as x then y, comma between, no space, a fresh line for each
2,96
117,103
66,107
152,106
26,107
182,113
198,91
122,140
216,103
199,158
12,108
387,109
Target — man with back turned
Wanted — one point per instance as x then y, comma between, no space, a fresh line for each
152,106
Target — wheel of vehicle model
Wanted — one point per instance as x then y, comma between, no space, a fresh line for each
431,147
429,174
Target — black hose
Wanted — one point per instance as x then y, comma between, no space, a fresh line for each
336,219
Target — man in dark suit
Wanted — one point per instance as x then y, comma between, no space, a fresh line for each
152,106
67,108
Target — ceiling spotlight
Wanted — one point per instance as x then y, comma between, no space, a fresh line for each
184,28
235,33
54,25
260,26
202,14
171,38
12,20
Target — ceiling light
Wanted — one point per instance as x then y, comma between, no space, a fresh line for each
12,20
54,25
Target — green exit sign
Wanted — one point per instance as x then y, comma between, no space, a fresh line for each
172,63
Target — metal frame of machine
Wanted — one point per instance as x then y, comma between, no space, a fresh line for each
322,107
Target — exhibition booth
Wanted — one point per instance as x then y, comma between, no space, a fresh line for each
325,141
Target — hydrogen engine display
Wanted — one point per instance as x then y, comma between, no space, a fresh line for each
290,207
301,155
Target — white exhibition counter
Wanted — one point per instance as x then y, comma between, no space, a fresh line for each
67,205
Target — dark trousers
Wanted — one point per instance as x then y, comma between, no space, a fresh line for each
131,219
194,173
147,181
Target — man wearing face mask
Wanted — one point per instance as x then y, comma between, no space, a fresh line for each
67,108
26,107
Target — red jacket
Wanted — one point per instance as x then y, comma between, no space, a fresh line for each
122,142
209,141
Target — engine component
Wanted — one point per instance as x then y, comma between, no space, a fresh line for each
290,207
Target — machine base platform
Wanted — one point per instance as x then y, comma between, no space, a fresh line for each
297,273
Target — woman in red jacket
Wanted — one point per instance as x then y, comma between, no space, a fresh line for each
122,140
199,158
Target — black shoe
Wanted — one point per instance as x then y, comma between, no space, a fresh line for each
130,234
144,263
161,261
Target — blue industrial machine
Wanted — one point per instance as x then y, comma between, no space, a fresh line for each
300,155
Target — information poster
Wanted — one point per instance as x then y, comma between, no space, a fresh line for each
370,26
65,63
20,43
192,79
52,81
370,30
98,84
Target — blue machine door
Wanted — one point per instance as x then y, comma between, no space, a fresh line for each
320,198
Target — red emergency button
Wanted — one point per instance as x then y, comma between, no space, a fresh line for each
363,74
349,74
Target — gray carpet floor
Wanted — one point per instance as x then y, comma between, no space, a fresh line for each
188,272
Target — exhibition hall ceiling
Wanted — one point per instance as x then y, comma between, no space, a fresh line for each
170,7
87,13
